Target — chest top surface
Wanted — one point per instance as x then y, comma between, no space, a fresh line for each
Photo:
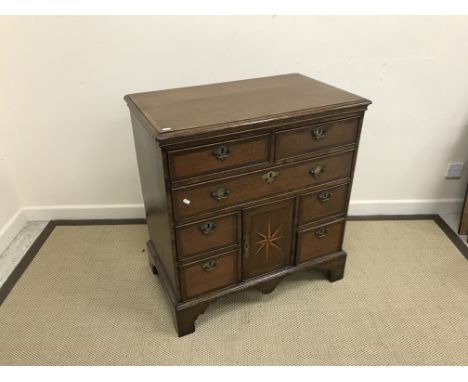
253,100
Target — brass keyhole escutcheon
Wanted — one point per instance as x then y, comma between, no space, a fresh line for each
246,245
317,171
270,176
319,132
210,265
321,232
222,152
325,196
207,227
220,194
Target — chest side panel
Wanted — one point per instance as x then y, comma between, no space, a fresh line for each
156,199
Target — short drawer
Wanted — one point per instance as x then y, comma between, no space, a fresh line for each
223,193
206,235
319,241
210,274
321,204
209,159
303,140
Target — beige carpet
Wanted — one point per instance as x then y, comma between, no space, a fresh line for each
89,298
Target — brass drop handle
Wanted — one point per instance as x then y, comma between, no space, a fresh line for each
207,227
324,197
270,176
210,265
222,152
321,233
220,194
319,132
317,171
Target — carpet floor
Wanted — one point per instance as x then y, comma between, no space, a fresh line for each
89,298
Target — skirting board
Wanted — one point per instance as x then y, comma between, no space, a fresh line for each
137,211
405,207
77,212
11,229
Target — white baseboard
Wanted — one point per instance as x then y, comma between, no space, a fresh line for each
405,207
11,229
137,211
82,212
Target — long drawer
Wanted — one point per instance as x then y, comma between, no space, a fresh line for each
223,193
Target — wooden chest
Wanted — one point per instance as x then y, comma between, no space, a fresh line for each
244,183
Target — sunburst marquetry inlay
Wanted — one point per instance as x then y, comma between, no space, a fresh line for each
268,240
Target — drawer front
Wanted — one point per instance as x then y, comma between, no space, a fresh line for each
319,241
206,235
323,203
217,157
210,274
299,141
189,201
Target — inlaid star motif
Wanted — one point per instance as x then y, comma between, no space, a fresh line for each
268,241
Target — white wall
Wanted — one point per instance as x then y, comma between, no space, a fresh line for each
67,130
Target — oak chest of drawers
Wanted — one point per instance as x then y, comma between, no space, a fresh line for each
244,183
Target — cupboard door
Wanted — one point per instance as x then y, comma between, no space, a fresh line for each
267,238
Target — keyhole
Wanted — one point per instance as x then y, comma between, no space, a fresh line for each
270,176
223,150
